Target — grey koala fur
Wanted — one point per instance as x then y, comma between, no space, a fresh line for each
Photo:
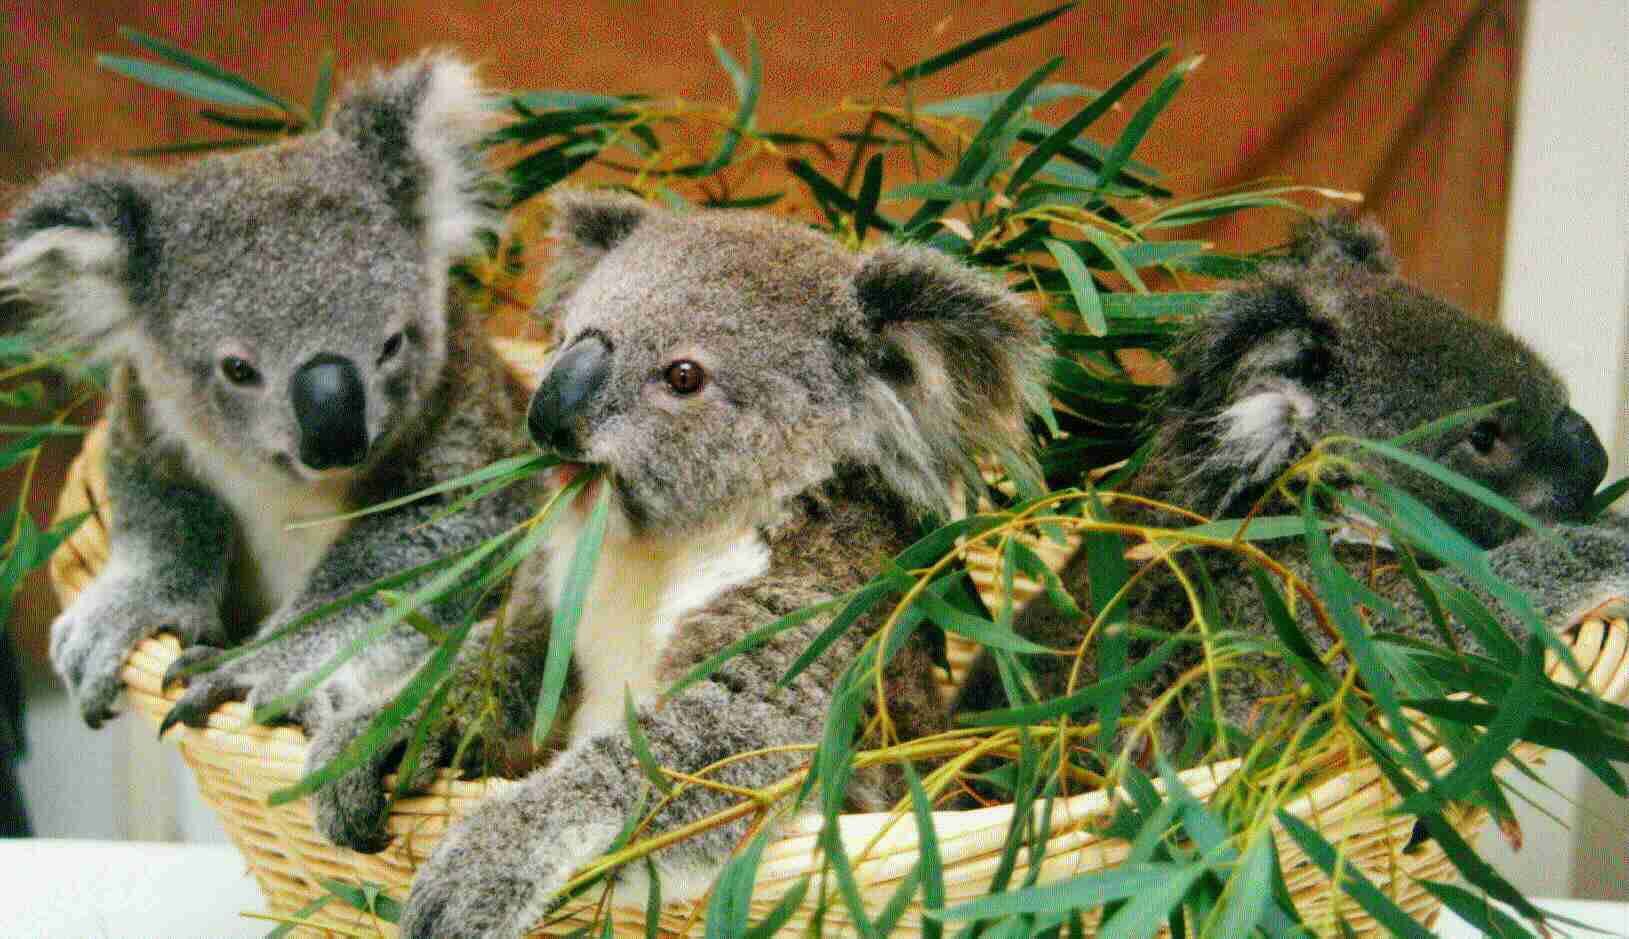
1332,341
845,396
285,346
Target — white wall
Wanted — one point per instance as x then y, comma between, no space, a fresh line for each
1566,290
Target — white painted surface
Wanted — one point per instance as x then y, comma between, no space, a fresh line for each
90,889
1566,290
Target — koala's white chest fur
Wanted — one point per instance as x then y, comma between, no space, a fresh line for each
642,588
273,560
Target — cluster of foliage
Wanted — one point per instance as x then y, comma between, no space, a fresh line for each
1088,227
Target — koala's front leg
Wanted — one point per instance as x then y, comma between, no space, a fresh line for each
170,554
351,811
501,869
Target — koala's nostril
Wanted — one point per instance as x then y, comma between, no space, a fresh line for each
577,373
1583,459
330,404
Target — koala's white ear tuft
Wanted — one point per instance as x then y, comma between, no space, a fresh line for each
78,256
419,126
589,222
960,353
1339,239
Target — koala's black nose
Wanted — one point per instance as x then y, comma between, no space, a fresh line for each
330,403
1581,458
576,375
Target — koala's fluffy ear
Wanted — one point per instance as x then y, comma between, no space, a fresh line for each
1248,382
1338,239
955,372
418,127
78,255
589,222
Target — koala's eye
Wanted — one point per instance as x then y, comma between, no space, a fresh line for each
1310,364
1484,436
685,377
239,371
393,345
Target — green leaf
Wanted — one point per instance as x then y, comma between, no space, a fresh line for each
1456,482
641,746
747,85
1106,244
983,148
978,629
573,597
515,466
299,916
1097,693
832,199
206,68
1478,912
980,106
929,860
859,603
1146,910
941,191
1144,118
1444,424
870,189
324,86
750,641
729,909
190,84
973,47
18,450
1516,710
253,125
381,732
1063,136
196,146
548,100
1082,892
1333,583
1603,500
1080,286
1352,882
436,588
771,925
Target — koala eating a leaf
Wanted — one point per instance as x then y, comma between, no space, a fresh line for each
286,347
1331,341
771,415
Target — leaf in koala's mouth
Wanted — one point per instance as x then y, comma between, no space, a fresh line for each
567,473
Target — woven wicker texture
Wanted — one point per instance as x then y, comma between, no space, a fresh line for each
239,764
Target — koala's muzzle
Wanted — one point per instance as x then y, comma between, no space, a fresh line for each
1575,455
330,404
576,375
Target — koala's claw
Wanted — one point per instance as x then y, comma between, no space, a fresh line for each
177,673
205,692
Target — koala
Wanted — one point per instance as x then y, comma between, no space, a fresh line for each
285,347
1332,341
771,415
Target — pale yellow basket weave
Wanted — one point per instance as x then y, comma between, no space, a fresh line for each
239,764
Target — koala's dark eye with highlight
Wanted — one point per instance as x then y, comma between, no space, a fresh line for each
238,371
393,345
1484,436
685,377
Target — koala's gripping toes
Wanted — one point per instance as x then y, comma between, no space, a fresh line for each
1333,342
285,348
771,414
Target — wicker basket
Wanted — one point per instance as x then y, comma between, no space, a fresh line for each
238,764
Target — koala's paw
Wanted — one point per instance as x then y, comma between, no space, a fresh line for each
351,810
257,679
204,691
501,870
91,640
